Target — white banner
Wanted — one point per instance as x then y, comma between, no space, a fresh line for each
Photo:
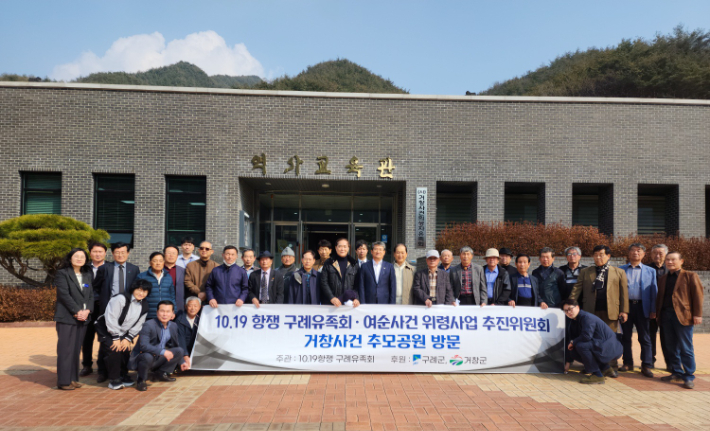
380,338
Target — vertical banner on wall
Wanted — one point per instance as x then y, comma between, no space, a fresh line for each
420,223
380,338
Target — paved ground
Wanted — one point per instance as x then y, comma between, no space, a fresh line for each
235,401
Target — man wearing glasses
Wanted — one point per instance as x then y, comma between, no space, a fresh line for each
197,272
592,343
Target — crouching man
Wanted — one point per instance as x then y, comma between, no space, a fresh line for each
160,350
592,343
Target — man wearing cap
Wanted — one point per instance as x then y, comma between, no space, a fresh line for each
266,285
227,283
446,258
432,285
506,256
468,281
288,259
497,279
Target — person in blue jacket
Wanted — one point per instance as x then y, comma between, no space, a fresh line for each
228,282
592,343
162,284
524,289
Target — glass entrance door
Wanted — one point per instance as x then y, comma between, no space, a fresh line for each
366,232
286,235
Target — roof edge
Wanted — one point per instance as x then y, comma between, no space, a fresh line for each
313,94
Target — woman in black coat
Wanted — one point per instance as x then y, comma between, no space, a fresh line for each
75,303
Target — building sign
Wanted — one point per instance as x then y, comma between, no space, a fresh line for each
420,223
386,168
244,230
380,338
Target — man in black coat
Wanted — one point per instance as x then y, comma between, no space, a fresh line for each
550,280
497,279
188,321
159,348
339,275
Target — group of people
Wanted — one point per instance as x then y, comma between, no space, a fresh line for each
130,303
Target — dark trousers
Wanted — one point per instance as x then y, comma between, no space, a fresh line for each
638,319
467,300
69,340
583,353
527,302
654,329
116,363
87,347
679,345
147,362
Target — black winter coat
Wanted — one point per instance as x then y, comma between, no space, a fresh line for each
331,285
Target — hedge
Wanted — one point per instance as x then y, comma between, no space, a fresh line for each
529,238
21,304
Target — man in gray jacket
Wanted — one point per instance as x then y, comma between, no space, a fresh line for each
467,280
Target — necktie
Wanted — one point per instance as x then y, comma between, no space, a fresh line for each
121,280
264,293
307,291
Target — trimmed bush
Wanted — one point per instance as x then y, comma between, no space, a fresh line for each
19,304
529,238
43,238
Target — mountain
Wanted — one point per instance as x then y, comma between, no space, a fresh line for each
334,76
670,66
180,74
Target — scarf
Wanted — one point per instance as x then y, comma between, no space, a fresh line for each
601,276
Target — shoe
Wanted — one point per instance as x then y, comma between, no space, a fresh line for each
592,380
85,371
610,372
688,384
646,371
673,378
141,386
626,368
127,381
101,378
77,385
66,388
115,385
162,377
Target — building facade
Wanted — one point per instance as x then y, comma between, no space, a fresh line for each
266,170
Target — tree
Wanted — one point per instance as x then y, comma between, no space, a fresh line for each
46,238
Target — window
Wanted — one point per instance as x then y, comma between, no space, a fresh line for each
114,200
455,203
593,205
658,209
186,209
525,202
41,193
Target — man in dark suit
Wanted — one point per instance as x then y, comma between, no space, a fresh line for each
111,279
227,283
377,283
177,273
467,280
159,348
432,285
114,277
266,285
592,343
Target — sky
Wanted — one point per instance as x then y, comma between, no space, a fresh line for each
426,47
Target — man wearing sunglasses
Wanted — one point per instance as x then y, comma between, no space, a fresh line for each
592,343
197,272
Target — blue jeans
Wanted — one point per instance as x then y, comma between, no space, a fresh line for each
679,345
